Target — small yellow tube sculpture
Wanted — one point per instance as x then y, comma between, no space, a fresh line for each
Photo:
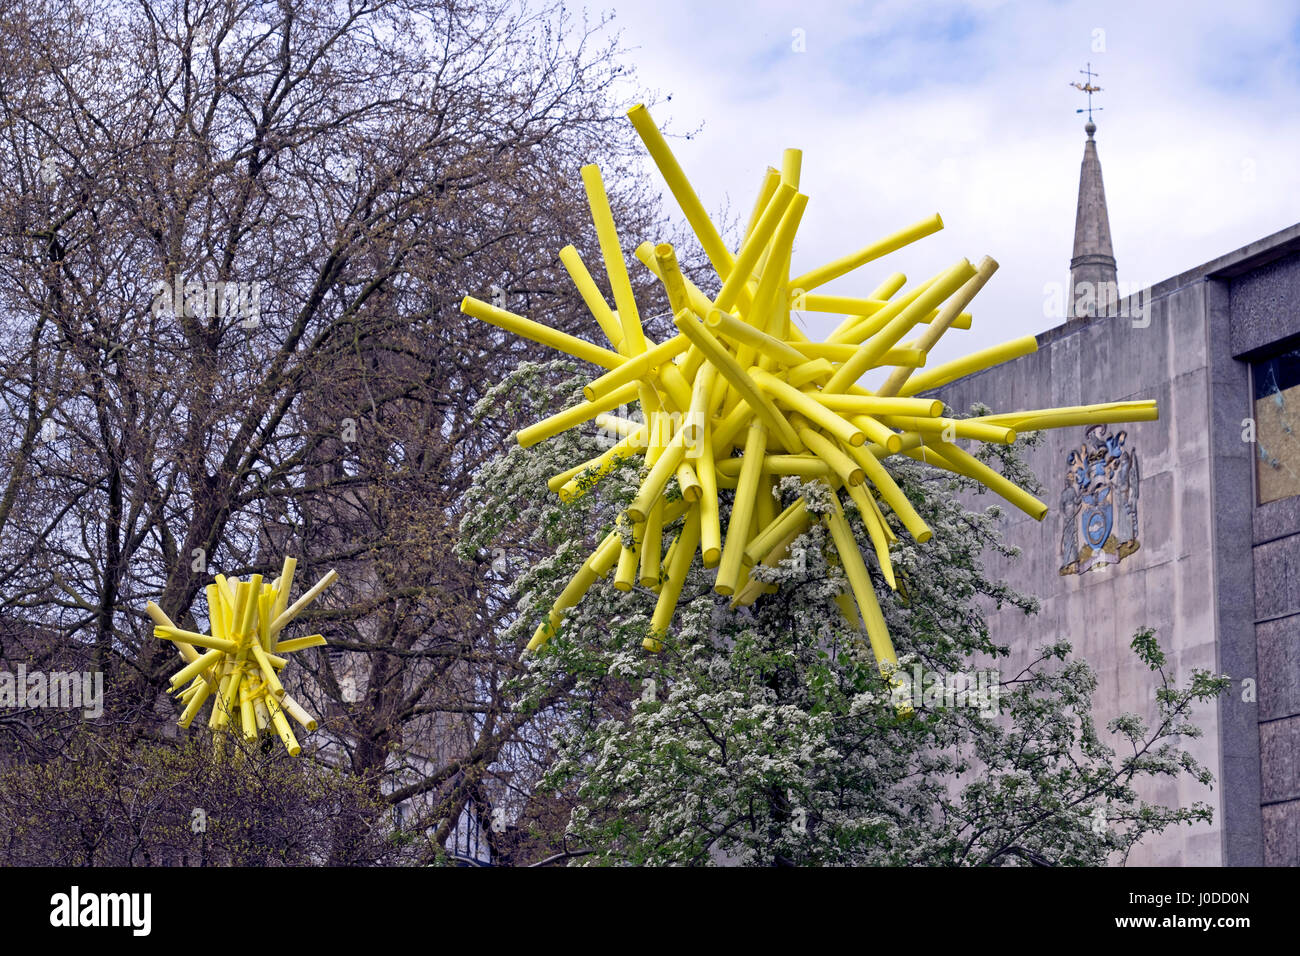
737,377
240,671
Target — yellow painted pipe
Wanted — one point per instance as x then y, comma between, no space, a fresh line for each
882,293
947,315
282,727
298,644
957,427
273,684
771,180
200,640
710,520
265,606
589,472
676,387
605,317
286,584
261,714
794,519
626,427
810,408
683,553
741,332
635,368
195,705
298,606
860,583
699,302
652,545
744,264
874,405
814,370
1112,413
739,379
629,560
591,295
844,466
689,482
576,415
298,713
963,462
804,466
975,362
893,495
870,351
653,486
611,250
771,299
791,166
248,717
875,526
878,433
248,627
681,189
537,332
881,247
742,509
196,667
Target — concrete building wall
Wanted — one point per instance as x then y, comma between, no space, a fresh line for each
1217,576
1262,300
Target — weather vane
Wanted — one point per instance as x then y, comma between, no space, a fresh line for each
1087,87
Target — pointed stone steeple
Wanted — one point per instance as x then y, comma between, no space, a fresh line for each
1092,269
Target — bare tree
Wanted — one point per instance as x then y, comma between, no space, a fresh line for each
235,238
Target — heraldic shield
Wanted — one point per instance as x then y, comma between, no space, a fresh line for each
1099,502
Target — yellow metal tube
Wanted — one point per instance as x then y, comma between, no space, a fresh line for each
611,250
683,553
543,334
739,379
591,295
881,247
947,315
744,264
872,349
576,415
681,189
810,408
635,368
860,584
975,362
742,509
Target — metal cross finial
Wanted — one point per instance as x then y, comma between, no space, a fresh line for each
1087,87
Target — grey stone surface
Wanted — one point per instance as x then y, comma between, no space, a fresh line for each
1279,750
1273,562
1266,305
1276,519
1281,826
1278,647
1236,583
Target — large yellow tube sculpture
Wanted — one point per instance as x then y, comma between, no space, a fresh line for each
739,377
240,670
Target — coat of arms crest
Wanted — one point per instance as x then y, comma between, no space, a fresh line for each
1099,502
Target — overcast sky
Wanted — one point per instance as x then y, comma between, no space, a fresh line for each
904,109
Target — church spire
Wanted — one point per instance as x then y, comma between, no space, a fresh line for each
1093,287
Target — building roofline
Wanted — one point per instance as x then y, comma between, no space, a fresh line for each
1261,252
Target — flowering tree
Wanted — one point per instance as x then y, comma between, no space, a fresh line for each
766,735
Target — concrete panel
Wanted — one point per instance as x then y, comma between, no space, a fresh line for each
1281,826
1277,645
1279,751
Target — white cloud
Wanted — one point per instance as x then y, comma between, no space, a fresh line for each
907,108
